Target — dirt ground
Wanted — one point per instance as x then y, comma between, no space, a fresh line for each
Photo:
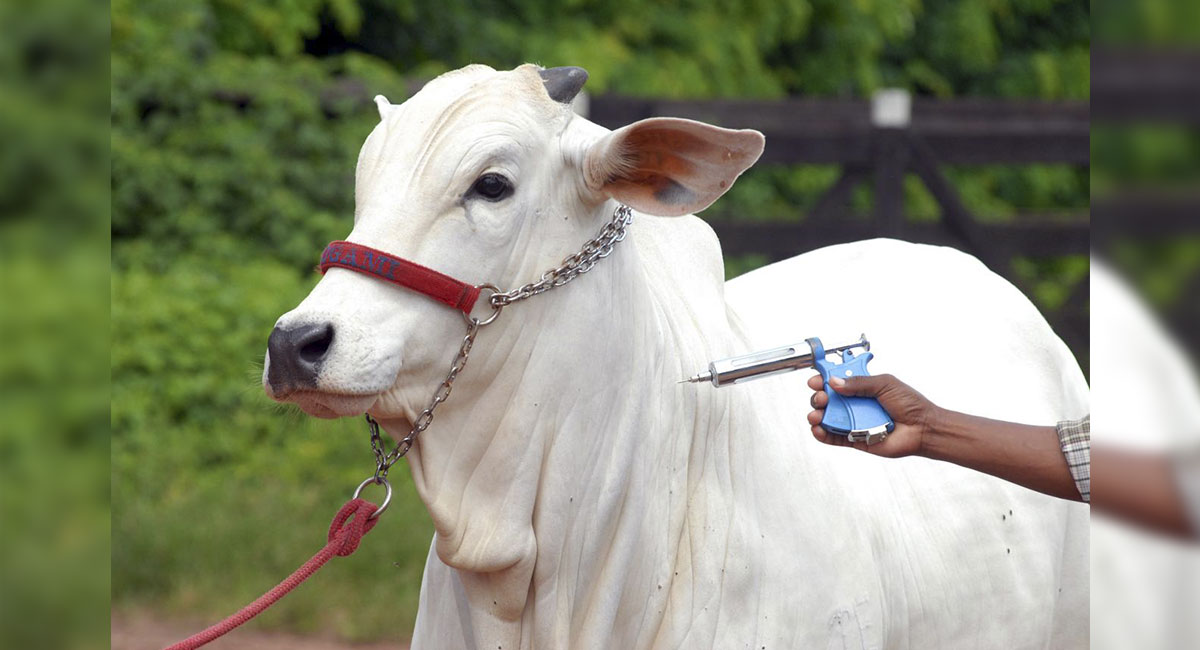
141,632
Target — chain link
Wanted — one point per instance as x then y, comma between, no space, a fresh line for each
384,462
574,265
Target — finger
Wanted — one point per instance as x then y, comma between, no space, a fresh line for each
814,417
819,433
818,400
816,383
833,439
824,436
869,386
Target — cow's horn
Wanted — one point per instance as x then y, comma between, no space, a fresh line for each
562,84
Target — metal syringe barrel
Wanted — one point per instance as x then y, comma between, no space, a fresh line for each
764,363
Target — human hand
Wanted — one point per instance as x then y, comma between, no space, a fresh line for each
912,413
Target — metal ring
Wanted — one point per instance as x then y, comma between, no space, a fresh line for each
495,308
386,499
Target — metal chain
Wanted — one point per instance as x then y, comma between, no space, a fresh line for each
574,265
383,462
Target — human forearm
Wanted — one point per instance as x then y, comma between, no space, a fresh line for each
1139,488
1023,454
1032,456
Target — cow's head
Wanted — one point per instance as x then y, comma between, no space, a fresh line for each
485,176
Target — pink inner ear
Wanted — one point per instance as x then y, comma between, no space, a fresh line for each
670,166
665,158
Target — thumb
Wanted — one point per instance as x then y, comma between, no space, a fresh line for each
868,386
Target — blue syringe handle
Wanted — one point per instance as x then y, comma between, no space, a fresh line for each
849,416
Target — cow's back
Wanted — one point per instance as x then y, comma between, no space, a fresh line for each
936,317
962,559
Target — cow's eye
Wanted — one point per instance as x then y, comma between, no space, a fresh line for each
492,187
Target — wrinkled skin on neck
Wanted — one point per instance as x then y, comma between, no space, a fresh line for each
559,495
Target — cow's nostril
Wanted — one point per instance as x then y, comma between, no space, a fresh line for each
314,350
313,341
296,354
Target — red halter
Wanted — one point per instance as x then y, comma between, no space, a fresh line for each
410,275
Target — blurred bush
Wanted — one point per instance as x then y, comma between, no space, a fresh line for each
230,149
241,121
1146,167
1146,23
54,489
235,128
54,492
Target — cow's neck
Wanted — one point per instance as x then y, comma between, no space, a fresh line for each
560,478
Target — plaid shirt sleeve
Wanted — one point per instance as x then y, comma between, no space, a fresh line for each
1187,477
1075,438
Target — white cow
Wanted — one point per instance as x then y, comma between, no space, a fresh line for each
584,499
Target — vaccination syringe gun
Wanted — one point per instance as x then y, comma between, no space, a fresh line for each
858,419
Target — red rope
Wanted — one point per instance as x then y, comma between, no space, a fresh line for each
345,533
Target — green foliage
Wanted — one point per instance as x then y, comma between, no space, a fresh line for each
736,265
218,144
993,192
54,498
227,135
1142,157
1051,280
1147,22
235,129
763,49
1160,268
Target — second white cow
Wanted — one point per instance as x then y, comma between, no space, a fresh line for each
584,499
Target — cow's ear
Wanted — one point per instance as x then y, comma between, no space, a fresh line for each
668,166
